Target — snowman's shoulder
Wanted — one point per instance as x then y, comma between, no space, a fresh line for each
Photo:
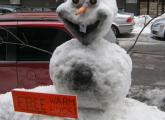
70,44
136,110
118,48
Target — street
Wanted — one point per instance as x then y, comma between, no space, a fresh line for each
148,78
148,59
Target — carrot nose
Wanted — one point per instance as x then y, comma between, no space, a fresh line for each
81,10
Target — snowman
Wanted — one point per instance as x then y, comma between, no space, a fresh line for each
97,71
94,69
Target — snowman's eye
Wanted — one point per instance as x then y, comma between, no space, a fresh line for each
75,1
93,2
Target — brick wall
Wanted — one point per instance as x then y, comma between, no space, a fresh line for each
154,8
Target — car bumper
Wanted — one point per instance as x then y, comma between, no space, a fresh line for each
125,28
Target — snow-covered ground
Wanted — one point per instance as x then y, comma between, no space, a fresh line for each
149,94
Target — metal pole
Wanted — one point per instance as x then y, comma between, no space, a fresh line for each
138,7
162,6
157,11
148,7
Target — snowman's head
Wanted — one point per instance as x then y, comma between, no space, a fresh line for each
88,20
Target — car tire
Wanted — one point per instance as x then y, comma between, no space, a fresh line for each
115,30
164,36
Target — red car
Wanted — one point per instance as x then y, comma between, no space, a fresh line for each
26,43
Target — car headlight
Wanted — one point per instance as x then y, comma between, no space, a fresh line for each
162,27
158,27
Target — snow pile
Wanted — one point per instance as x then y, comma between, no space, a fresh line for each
151,95
140,22
128,109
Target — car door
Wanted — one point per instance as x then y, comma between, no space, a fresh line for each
8,70
33,59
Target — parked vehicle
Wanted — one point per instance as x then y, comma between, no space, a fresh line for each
123,23
158,28
26,43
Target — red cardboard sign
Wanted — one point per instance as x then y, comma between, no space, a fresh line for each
46,104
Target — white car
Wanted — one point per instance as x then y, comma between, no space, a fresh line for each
123,23
158,28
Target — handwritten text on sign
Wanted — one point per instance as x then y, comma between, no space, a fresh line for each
46,104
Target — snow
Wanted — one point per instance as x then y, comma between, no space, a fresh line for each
140,21
150,95
128,109
7,110
113,62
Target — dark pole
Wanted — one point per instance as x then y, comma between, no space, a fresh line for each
138,7
148,7
157,11
162,6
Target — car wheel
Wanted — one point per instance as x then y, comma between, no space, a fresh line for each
115,30
164,36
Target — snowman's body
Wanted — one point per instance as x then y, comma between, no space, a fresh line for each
110,68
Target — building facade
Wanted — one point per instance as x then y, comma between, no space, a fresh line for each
129,6
151,7
142,7
29,3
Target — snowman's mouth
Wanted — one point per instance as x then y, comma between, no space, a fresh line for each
83,29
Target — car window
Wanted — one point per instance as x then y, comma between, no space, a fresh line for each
2,51
2,45
44,38
7,44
